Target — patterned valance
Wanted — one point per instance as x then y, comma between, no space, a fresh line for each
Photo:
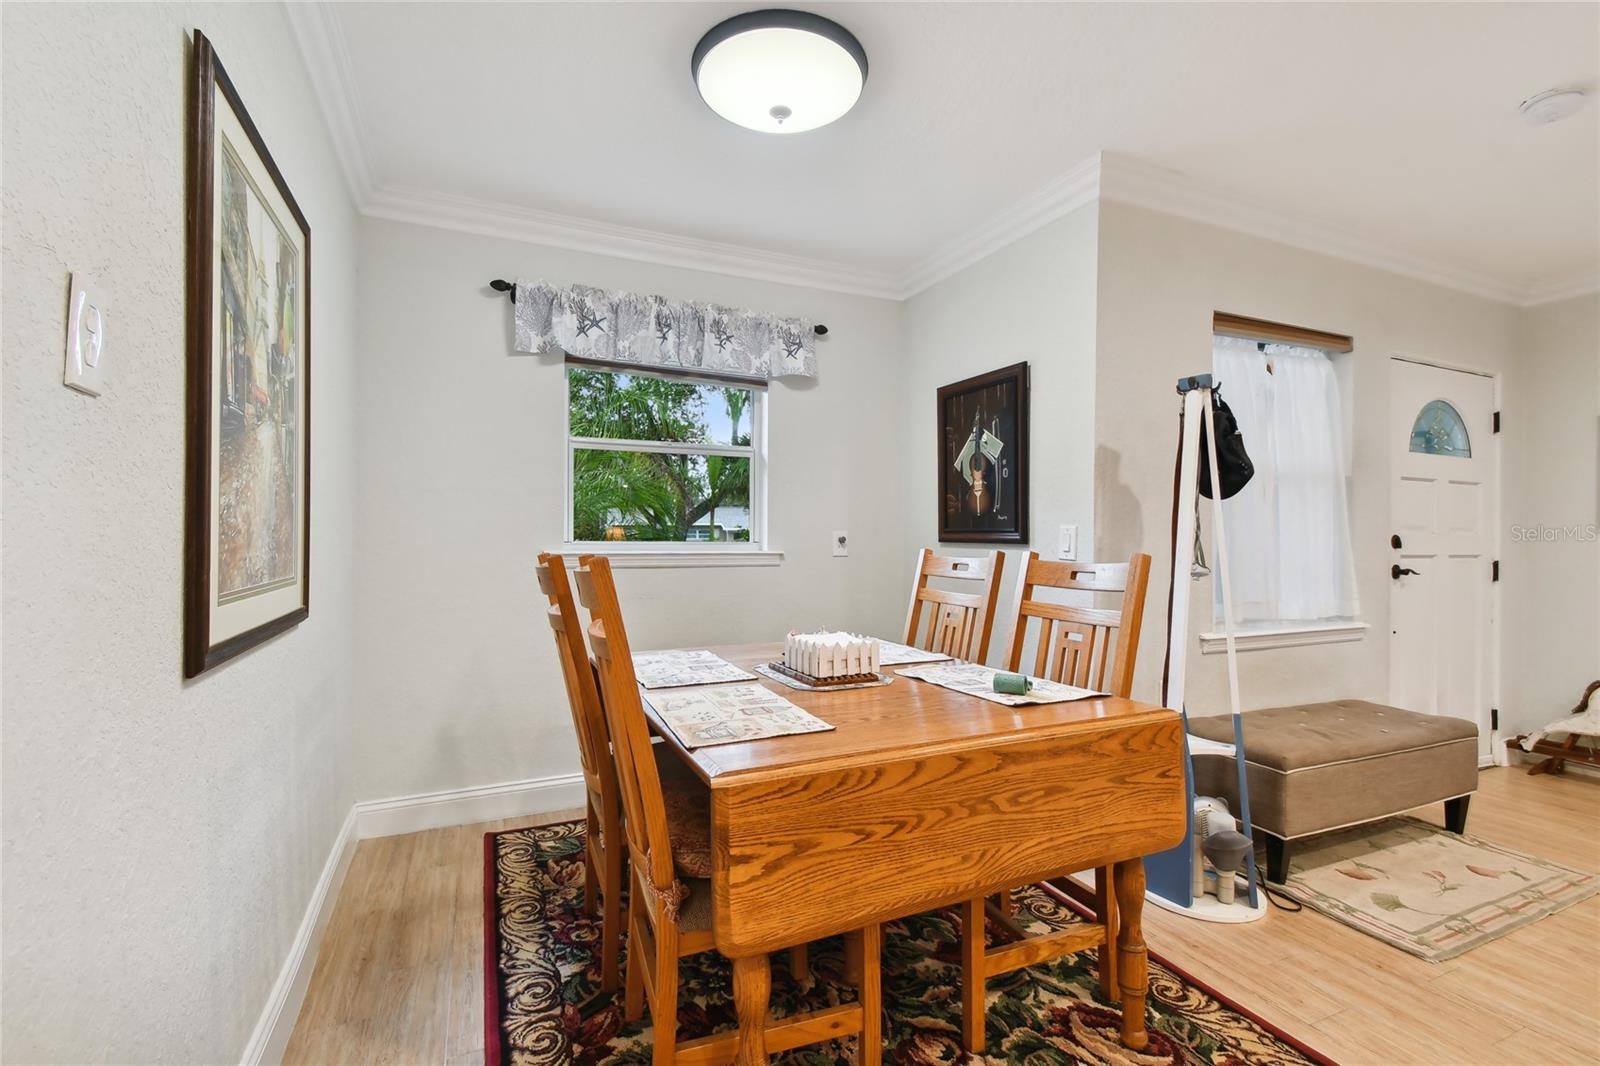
653,332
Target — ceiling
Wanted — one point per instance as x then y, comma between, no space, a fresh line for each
1388,129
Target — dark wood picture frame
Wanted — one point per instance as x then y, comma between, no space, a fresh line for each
1007,388
200,652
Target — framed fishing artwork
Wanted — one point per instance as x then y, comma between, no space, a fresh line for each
983,458
247,532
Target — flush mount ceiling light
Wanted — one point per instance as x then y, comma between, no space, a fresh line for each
779,71
1552,105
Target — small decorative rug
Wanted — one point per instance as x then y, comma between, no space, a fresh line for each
542,1002
1428,891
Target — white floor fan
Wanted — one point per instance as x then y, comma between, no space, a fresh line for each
1171,873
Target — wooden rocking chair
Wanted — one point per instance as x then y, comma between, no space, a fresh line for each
1569,750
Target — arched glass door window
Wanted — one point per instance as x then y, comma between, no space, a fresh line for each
1439,430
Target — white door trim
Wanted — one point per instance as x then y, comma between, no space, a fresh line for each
1458,367
1497,748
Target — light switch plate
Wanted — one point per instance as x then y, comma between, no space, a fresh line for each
841,544
86,337
1069,544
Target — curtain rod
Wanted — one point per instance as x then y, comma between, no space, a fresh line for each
510,289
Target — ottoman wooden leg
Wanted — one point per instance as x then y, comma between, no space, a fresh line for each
1455,814
1277,859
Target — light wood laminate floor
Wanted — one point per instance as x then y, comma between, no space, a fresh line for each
399,975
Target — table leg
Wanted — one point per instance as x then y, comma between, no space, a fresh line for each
870,1051
1132,972
973,978
752,987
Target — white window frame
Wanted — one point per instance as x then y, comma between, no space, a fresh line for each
656,554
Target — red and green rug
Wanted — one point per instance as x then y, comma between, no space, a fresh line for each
542,1004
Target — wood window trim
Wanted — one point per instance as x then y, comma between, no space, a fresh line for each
1259,329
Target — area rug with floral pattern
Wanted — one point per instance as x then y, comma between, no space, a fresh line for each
1428,891
542,1002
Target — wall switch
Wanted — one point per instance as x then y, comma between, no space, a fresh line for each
86,336
1069,543
841,544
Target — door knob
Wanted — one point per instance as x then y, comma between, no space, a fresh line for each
1397,571
1394,542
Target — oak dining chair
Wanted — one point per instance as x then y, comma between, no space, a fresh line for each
603,850
668,832
1088,647
959,623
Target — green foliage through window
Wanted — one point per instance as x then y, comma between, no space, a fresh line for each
654,494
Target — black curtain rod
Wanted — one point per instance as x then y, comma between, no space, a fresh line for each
510,289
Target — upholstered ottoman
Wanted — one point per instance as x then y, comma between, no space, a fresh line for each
1321,766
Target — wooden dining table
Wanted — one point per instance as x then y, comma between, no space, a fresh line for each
921,797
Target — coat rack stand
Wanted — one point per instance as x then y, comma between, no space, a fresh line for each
1170,873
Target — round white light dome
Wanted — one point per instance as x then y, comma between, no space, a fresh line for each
779,71
1552,105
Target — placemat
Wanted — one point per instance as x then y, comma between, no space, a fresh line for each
978,681
679,669
892,654
704,717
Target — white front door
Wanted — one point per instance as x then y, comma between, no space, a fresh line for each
1443,509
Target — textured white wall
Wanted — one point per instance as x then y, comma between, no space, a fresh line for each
161,839
1160,279
462,460
1031,301
1552,613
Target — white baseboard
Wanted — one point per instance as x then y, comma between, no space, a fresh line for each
271,1035
463,806
381,818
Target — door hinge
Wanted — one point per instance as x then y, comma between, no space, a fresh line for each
1494,571
1497,421
1494,718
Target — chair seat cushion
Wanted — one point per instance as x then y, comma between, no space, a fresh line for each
695,911
1319,766
688,806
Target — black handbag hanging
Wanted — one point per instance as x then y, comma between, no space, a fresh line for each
1234,468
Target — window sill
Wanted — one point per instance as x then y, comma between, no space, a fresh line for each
673,558
1284,637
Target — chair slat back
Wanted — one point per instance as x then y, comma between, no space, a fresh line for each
1090,647
958,623
649,844
583,693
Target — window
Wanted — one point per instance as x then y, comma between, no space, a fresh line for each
663,460
1288,530
1439,430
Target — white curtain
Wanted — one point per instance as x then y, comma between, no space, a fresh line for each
1288,530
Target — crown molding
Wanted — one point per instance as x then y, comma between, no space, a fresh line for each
1106,176
1076,188
321,39
490,219
1140,184
1555,290
318,32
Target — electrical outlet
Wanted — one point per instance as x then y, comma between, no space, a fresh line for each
841,544
1069,543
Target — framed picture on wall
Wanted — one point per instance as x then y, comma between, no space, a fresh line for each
247,521
983,458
